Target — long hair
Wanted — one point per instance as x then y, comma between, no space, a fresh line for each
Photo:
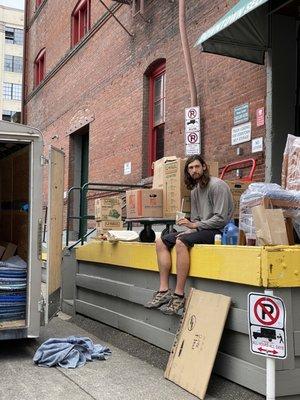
188,180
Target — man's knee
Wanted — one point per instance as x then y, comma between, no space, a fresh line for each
180,246
160,246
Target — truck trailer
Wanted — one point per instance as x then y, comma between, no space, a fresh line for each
25,302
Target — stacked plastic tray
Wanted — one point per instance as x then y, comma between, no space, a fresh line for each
13,282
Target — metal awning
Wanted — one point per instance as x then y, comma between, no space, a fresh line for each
241,33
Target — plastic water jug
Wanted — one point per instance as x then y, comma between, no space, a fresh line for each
230,234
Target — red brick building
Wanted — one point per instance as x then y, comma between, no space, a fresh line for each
108,96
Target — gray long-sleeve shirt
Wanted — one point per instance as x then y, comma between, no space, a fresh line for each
212,206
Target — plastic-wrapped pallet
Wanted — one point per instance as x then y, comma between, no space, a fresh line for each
290,178
270,195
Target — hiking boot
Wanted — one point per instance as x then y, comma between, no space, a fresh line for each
159,298
175,304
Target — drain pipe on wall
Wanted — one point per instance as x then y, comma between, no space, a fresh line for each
187,54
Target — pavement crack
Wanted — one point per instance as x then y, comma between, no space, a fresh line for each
71,380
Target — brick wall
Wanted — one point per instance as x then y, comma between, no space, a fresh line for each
105,77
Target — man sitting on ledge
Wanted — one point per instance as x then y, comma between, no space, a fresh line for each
211,209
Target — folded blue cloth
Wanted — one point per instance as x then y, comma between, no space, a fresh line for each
70,352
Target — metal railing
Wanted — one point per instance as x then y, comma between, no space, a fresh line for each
112,188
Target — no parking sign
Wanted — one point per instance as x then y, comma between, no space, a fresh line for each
267,320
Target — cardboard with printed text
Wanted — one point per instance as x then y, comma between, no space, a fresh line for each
196,343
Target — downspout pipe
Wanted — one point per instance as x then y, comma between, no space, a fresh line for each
23,107
187,54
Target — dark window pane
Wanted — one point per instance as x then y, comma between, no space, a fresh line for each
6,115
159,131
9,35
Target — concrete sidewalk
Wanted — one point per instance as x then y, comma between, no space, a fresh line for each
122,377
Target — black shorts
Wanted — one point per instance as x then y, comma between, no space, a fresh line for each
205,236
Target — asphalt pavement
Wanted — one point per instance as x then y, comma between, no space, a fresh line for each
133,372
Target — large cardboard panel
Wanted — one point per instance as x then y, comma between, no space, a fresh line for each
197,340
174,189
108,209
237,188
144,203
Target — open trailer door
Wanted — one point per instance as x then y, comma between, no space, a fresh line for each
55,230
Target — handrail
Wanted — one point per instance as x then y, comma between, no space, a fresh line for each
92,186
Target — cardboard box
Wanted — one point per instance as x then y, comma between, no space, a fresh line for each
104,226
213,168
237,188
158,171
174,189
196,343
144,203
108,208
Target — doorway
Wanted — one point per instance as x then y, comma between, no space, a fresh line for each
79,173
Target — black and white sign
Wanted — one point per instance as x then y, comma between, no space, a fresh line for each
127,168
257,145
241,114
192,131
241,133
191,149
267,320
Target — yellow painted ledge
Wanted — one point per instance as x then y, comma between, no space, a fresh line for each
227,263
277,266
281,266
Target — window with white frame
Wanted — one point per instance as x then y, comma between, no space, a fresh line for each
13,63
10,116
12,91
14,35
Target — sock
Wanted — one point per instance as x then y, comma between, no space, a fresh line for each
179,295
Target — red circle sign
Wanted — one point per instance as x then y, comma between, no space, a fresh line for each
192,138
192,113
262,309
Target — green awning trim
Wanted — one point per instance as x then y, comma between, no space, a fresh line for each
241,33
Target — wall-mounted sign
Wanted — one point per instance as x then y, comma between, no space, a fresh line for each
260,116
192,138
191,149
241,114
257,145
241,133
127,168
192,131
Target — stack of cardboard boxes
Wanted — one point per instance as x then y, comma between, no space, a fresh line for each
108,215
169,193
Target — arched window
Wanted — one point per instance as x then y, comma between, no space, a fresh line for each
39,67
81,20
157,97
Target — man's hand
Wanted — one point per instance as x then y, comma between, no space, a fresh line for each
187,223
186,232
